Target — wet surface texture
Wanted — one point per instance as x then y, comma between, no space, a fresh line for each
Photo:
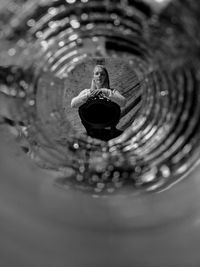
152,59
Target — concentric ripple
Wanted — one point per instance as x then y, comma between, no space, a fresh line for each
152,59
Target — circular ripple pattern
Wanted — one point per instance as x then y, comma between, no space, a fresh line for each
152,59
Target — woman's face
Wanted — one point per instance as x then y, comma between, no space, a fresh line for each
99,76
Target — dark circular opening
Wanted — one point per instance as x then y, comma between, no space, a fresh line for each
100,113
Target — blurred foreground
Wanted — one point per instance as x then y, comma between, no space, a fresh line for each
41,225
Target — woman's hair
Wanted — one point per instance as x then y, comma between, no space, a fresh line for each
106,82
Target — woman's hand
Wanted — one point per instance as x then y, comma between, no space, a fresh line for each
99,93
95,93
106,91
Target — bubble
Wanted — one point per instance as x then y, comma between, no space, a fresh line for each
165,171
52,11
61,43
149,176
31,22
11,52
32,102
75,24
39,34
73,37
70,1
89,26
76,146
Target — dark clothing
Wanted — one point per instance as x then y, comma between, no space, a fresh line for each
97,115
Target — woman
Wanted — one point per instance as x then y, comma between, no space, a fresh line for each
100,87
110,112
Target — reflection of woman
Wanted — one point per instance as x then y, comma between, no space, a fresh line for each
108,113
100,87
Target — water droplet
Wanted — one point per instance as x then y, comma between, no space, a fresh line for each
53,25
31,22
79,178
52,11
100,185
149,176
21,43
110,190
73,37
76,146
75,23
89,26
164,93
13,92
39,34
70,1
61,43
11,52
31,102
165,171
98,190
95,178
84,16
22,94
116,22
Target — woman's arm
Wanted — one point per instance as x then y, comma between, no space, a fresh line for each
114,96
80,99
117,98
